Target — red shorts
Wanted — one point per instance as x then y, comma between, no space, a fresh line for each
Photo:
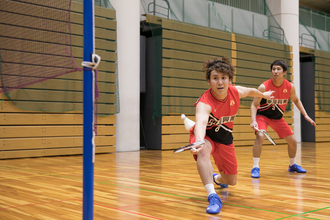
224,155
278,125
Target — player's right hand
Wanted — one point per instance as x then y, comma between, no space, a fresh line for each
269,94
254,125
195,150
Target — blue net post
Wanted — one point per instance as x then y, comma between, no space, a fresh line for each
88,165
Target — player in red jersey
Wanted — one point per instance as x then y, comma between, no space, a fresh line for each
269,112
215,112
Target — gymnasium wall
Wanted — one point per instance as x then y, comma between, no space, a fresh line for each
184,47
322,95
32,133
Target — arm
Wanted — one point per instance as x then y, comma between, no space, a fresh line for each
202,115
245,91
300,106
254,105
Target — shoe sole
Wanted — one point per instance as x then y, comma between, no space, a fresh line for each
213,213
296,171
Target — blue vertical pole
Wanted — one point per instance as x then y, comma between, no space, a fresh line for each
88,165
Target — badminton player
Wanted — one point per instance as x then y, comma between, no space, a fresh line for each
215,113
269,112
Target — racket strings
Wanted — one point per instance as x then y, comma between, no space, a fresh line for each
269,138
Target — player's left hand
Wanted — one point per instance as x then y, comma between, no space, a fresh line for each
310,120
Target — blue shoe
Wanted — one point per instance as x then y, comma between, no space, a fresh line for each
255,172
215,204
223,185
296,168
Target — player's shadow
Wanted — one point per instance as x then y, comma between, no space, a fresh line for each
223,193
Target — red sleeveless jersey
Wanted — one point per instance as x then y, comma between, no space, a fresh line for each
220,123
275,108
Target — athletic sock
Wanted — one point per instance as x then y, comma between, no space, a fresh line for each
256,162
292,161
209,188
216,178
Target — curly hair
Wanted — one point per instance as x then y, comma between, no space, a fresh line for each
222,65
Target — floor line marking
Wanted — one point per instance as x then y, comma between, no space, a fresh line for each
304,213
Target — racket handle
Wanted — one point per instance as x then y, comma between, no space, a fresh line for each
178,151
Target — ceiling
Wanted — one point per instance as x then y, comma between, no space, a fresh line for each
319,5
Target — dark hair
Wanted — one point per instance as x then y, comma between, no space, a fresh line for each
280,63
222,65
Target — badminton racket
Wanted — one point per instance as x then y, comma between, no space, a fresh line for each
189,146
267,136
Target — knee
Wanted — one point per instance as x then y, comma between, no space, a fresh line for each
207,148
293,143
205,152
232,182
260,136
291,140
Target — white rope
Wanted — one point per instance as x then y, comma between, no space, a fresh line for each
93,121
96,59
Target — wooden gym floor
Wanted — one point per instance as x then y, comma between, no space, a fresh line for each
164,185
